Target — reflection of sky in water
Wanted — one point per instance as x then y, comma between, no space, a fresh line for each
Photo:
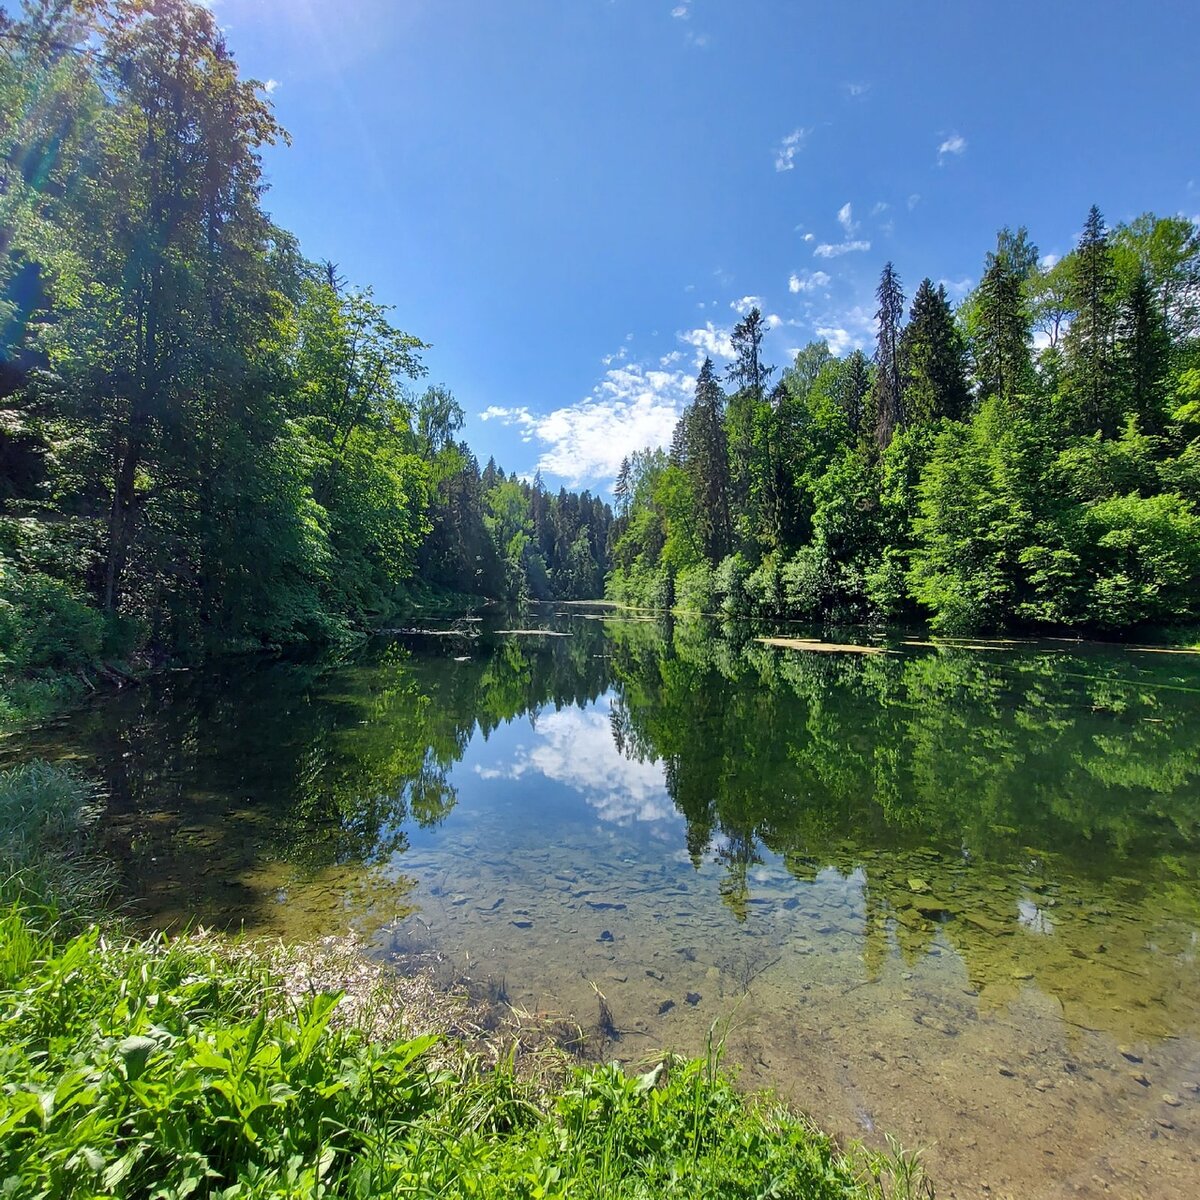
574,747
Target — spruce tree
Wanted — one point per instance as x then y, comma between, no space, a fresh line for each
853,389
1089,342
933,359
707,463
1143,345
1001,342
888,396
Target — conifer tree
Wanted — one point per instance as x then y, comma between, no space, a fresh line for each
1090,340
707,463
1143,345
933,359
888,397
853,389
1001,343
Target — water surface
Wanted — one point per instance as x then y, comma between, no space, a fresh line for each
947,891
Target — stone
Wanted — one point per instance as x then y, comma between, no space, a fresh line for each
918,885
606,936
1129,1055
1007,1073
1139,1078
665,1007
523,924
693,998
987,924
1171,1101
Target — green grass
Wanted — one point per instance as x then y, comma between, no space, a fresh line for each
165,1069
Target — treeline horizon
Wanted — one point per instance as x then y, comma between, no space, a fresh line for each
959,476
208,441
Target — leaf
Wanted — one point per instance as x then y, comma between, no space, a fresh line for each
649,1081
135,1051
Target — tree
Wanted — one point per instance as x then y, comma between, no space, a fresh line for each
1089,342
1001,333
707,463
1143,348
933,359
751,459
888,398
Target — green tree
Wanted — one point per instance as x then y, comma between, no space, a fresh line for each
933,359
888,399
1090,379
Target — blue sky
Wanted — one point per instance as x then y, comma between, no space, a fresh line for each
572,199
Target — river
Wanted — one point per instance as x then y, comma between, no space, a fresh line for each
945,891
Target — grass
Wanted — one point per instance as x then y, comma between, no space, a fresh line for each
168,1068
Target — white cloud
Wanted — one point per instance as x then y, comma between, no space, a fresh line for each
710,340
810,237
957,288
632,407
1047,261
808,281
786,151
520,417
856,90
845,216
745,304
879,208
914,200
671,358
851,330
270,86
576,748
954,144
836,250
680,12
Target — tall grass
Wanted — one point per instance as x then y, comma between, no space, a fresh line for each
165,1069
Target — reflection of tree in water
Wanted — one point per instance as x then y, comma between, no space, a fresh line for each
313,763
1038,810
1086,755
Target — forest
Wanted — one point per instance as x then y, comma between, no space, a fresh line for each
1029,458
208,441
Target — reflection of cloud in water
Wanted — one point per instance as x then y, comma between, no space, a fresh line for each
1033,918
575,747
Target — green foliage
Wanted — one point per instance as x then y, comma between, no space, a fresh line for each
209,441
171,1069
1061,494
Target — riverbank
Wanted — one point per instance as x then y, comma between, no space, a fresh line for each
195,1066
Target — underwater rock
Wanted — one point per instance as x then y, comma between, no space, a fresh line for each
606,936
988,924
523,924
665,1007
693,998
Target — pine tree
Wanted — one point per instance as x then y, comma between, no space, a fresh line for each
933,358
1090,341
888,397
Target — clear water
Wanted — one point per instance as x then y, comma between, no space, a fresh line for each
950,892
